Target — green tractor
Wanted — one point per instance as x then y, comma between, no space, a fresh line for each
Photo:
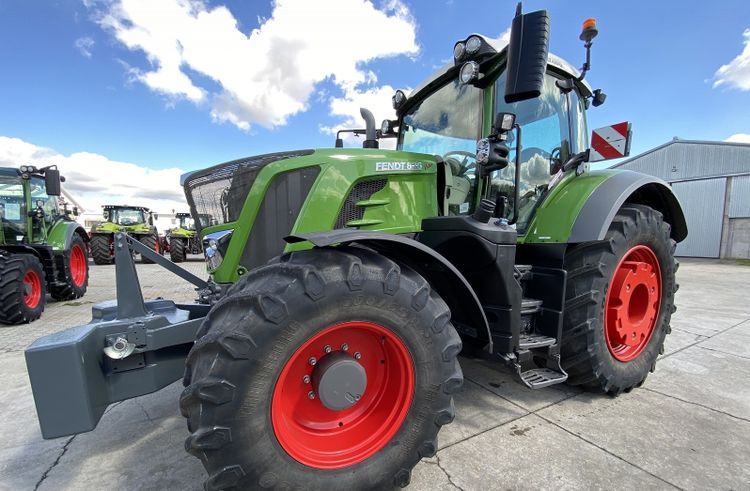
42,250
183,239
137,221
322,352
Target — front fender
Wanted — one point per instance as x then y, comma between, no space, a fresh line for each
460,297
581,208
61,235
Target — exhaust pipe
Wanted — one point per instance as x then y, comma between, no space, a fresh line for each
371,138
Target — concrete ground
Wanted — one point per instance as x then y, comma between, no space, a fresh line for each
688,427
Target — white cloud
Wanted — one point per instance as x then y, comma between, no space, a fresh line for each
739,138
736,73
265,76
94,180
84,45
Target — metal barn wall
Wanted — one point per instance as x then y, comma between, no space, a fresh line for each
739,197
703,204
679,160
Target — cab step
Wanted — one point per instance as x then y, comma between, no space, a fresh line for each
542,377
529,341
530,306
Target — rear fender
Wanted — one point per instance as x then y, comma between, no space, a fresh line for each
443,277
623,187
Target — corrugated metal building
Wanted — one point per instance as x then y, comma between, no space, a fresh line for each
712,181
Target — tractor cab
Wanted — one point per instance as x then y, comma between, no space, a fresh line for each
448,115
185,221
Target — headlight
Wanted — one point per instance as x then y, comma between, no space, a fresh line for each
458,51
215,247
24,169
398,99
473,44
469,72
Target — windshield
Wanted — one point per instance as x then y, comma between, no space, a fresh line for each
447,123
127,216
187,223
545,145
12,209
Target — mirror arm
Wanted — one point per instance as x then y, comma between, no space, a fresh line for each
517,192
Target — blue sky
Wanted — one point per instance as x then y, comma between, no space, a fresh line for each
80,76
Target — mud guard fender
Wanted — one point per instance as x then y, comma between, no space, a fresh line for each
623,187
412,252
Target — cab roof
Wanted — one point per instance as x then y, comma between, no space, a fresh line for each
555,62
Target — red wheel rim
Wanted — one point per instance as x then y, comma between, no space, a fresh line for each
32,289
323,438
78,265
633,302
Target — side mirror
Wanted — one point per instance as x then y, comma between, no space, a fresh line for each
156,216
52,182
75,211
527,55
610,142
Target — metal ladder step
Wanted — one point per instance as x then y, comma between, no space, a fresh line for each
529,341
530,306
542,377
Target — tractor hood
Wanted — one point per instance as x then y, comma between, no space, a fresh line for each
253,203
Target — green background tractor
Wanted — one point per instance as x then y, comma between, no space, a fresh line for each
183,239
42,250
322,353
135,220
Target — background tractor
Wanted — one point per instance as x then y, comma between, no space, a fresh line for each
183,239
137,221
42,250
322,352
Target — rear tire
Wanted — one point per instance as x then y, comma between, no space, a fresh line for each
23,289
150,241
100,251
176,250
75,272
244,399
613,332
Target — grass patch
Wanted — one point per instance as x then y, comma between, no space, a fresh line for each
743,262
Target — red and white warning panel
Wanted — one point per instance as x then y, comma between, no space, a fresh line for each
610,142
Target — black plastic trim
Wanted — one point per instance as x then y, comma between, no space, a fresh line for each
412,253
596,215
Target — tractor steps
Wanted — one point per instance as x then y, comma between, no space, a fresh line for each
542,377
529,341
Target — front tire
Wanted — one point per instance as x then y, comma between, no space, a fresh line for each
176,250
100,249
152,242
252,419
619,302
75,266
23,289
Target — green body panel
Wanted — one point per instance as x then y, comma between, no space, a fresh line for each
110,228
555,216
399,207
59,233
182,232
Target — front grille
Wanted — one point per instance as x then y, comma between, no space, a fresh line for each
277,215
361,191
216,195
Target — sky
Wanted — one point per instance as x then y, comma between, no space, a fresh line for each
126,95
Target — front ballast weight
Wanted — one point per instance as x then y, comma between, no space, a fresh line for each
130,348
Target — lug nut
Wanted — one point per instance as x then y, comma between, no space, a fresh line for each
312,361
357,355
311,395
327,348
306,379
344,347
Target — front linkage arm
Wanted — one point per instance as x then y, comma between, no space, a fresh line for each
130,348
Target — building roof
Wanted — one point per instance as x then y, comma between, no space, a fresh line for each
679,160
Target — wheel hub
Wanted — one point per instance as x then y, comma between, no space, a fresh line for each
339,381
633,301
